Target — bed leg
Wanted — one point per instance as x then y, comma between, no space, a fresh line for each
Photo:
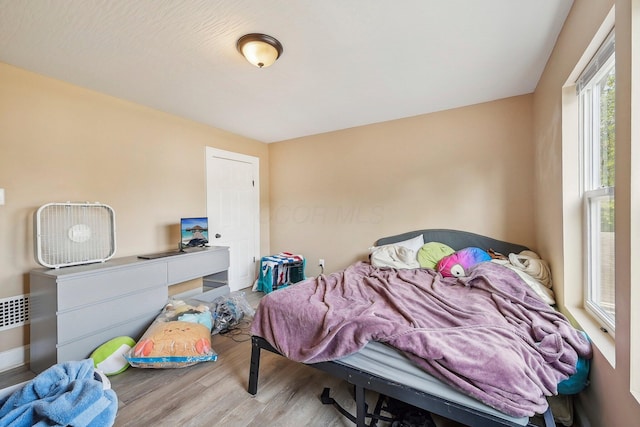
548,418
361,408
254,369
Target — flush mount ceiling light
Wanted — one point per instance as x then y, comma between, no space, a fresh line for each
260,50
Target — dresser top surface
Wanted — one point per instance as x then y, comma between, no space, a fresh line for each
131,261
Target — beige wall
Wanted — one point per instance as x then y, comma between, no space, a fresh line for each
607,402
59,142
333,195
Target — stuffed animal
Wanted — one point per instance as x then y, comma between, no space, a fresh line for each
456,264
431,253
166,339
181,310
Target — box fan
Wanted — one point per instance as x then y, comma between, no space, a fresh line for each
74,233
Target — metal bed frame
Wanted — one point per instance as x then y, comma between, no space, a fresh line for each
363,381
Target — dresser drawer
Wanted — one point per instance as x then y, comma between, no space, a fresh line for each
86,289
181,269
75,324
82,348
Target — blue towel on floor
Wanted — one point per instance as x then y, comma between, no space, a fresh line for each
66,394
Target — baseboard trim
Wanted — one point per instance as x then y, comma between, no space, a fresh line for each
14,358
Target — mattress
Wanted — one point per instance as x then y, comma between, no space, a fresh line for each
386,362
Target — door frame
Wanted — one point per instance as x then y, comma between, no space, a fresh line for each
255,163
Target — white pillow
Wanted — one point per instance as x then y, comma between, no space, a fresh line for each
414,244
394,256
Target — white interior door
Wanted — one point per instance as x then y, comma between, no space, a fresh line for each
233,208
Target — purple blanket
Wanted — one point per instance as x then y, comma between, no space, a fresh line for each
487,334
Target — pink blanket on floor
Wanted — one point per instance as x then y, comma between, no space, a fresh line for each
487,334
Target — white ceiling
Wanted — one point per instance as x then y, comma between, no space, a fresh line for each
346,63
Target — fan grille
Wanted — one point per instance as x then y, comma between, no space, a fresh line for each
74,233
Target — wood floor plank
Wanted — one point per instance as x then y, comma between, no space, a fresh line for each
15,376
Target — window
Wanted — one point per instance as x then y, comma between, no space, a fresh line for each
596,88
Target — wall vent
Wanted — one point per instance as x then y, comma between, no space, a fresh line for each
14,312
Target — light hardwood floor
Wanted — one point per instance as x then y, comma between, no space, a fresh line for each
215,393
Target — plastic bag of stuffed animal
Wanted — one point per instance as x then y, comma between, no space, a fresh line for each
180,336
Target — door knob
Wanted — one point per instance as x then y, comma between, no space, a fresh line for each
218,235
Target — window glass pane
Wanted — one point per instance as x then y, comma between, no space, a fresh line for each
607,85
602,257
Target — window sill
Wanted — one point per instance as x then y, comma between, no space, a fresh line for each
602,340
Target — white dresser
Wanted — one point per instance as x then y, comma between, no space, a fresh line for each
76,309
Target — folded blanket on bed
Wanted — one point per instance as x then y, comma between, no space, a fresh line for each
66,394
530,263
487,334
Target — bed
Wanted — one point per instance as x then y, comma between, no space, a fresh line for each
387,356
